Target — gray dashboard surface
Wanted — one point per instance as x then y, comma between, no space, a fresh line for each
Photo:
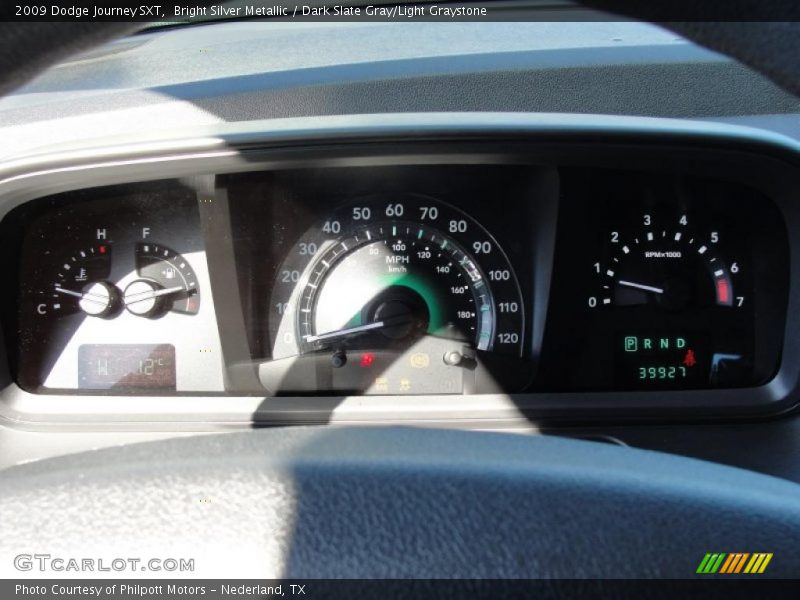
205,75
256,70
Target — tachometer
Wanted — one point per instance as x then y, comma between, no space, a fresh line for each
402,294
672,268
678,301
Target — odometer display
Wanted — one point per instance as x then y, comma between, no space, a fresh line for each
662,360
410,280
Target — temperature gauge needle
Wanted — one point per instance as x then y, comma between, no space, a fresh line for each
148,295
344,332
96,298
641,286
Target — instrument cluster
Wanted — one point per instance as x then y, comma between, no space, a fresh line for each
418,285
399,280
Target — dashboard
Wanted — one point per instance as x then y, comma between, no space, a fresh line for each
412,275
234,226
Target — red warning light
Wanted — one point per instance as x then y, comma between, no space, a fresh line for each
367,359
102,249
723,292
689,360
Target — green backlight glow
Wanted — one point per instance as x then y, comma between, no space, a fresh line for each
420,285
424,288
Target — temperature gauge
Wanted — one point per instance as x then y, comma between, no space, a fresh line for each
80,286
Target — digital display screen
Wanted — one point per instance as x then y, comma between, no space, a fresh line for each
653,360
126,366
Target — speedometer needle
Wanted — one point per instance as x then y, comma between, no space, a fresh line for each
343,332
641,286
142,296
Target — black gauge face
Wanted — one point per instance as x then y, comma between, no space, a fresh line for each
100,296
79,285
408,284
663,282
666,282
398,280
167,282
672,268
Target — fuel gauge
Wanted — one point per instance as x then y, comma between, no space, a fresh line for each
166,283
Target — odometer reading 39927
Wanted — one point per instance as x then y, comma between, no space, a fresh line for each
396,295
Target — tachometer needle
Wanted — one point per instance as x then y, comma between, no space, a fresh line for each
142,296
343,332
96,298
641,286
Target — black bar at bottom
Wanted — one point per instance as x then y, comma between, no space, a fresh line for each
214,589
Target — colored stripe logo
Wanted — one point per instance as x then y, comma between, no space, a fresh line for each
734,563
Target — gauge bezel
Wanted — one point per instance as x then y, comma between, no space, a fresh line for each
659,272
764,160
505,364
114,216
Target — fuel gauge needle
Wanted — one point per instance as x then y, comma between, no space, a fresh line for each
142,296
641,286
344,332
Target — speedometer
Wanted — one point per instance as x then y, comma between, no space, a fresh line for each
399,280
397,295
